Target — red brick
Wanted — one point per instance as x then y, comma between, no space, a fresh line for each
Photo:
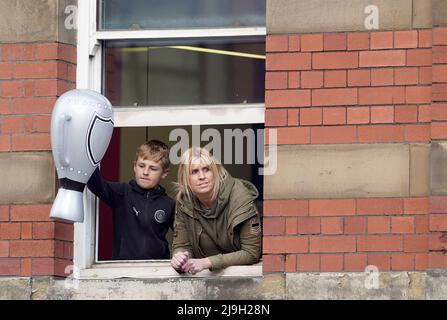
335,78
439,54
406,114
383,114
439,73
335,60
31,70
417,132
425,38
334,41
332,225
63,267
417,205
5,106
421,261
308,262
382,58
16,124
294,80
64,86
379,224
381,40
419,57
355,262
381,133
332,244
4,213
294,42
31,248
402,261
5,143
9,231
25,268
404,76
275,117
290,263
293,117
439,36
312,79
68,250
48,87
402,225
288,61
334,115
291,226
287,208
406,39
309,225
358,40
439,92
332,207
439,130
421,224
384,95
42,105
437,260
18,51
285,244
382,77
438,204
6,70
293,135
311,42
381,261
311,116
71,73
416,243
274,226
67,53
63,231
358,115
29,88
27,142
334,97
379,243
355,225
9,267
438,222
11,89
425,75
424,114
331,262
359,78
43,230
274,43
41,123
4,250
42,266
439,111
287,98
26,230
382,206
338,134
46,51
30,212
59,249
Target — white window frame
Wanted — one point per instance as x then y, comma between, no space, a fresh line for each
88,76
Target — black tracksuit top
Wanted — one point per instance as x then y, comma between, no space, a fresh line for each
141,218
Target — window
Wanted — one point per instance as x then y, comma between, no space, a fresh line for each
166,65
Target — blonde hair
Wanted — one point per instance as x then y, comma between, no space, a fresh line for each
196,155
154,150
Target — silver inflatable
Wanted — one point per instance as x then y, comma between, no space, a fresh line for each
81,129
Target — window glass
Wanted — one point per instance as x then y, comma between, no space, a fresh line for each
185,71
180,14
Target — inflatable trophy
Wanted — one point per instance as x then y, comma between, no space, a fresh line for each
81,129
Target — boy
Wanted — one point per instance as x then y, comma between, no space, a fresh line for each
142,211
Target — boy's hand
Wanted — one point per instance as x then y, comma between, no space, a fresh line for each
194,266
179,260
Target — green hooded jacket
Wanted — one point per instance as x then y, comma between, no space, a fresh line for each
228,234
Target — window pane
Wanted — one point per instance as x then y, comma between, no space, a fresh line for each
175,14
185,72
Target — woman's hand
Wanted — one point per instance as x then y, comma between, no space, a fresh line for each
194,266
179,260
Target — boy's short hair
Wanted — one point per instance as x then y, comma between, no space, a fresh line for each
154,150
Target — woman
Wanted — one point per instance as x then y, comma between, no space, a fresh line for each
216,223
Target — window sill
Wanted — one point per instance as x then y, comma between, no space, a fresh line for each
159,269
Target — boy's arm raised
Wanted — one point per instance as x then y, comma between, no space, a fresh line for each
103,189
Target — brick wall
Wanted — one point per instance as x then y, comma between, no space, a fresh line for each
355,88
32,76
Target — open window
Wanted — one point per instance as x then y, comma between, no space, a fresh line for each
191,67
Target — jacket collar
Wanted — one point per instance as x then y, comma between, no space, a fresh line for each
150,193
